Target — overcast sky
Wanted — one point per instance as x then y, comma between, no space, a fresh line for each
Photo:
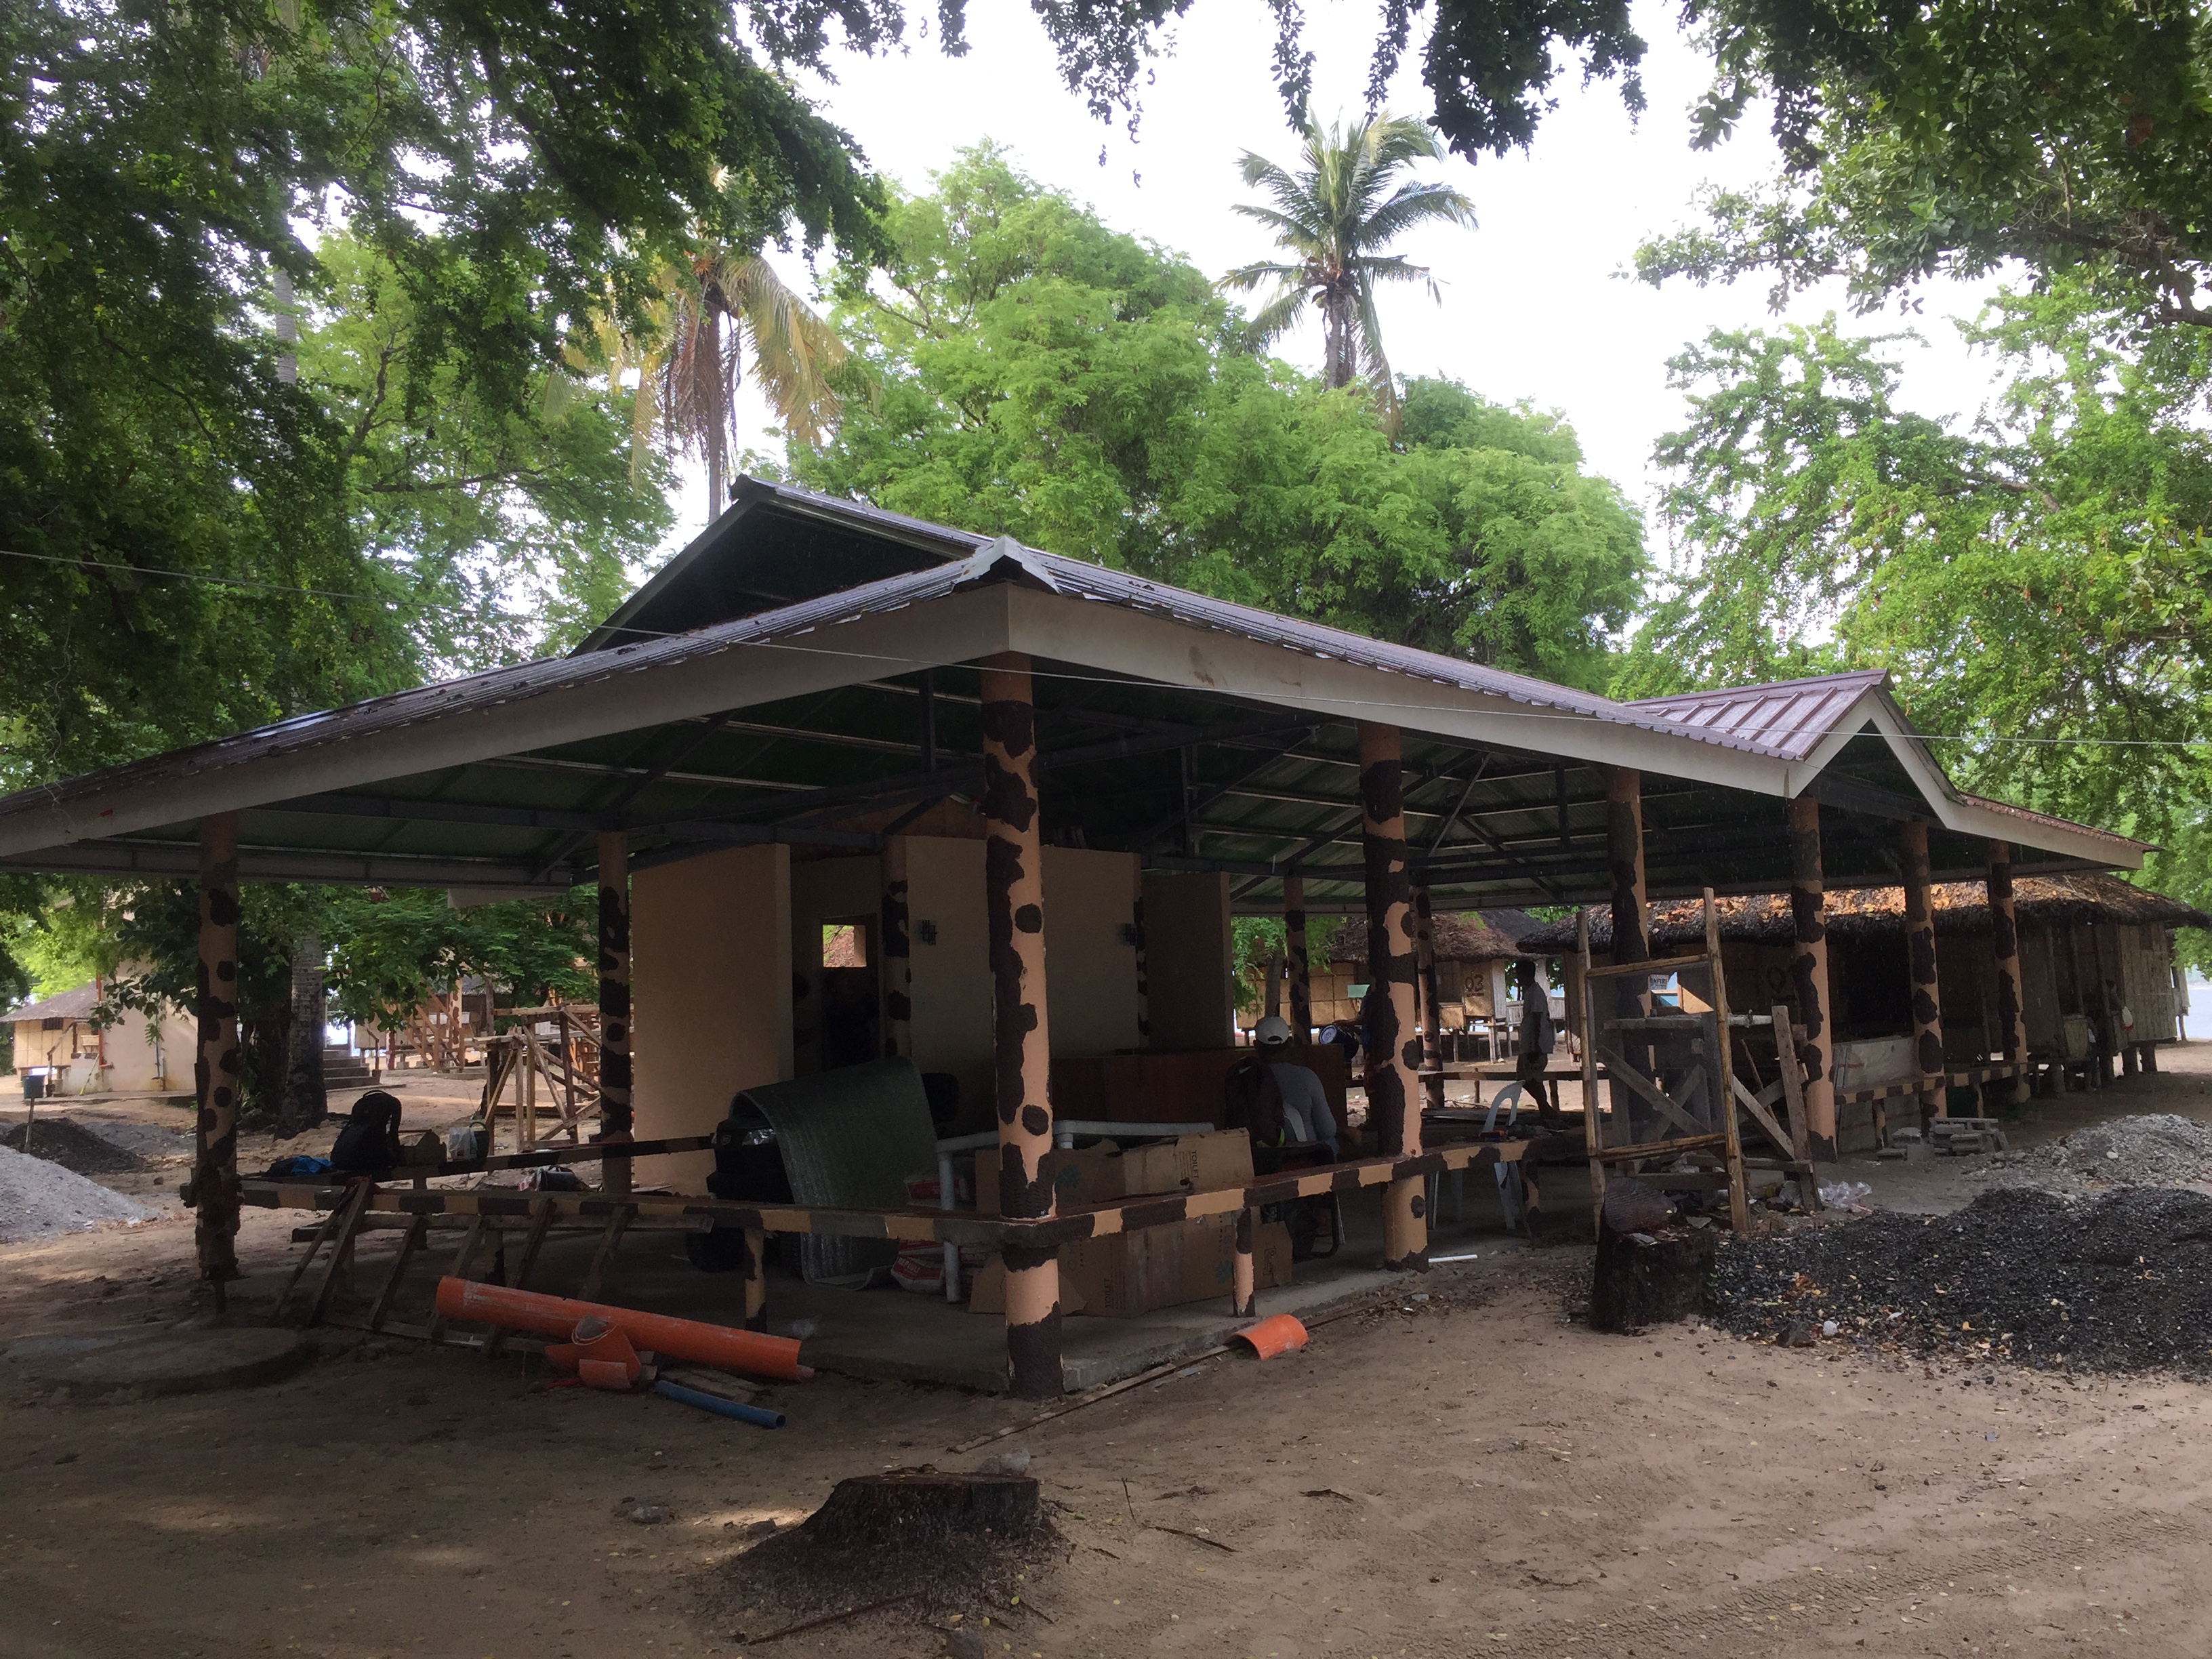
1535,304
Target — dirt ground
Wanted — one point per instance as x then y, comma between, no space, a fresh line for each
1529,1488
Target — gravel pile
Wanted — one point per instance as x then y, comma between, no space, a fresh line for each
2120,1283
39,1200
2156,1149
65,1141
146,1140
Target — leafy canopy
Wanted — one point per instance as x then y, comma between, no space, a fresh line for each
2040,582
1033,372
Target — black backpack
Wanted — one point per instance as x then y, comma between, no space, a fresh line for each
1253,1102
368,1145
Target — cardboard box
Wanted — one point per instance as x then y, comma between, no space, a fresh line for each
1104,1173
1125,1275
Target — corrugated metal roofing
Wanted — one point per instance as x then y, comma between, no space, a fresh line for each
1790,717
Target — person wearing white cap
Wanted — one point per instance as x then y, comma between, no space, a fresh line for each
1306,1115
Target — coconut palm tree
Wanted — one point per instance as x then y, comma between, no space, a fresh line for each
712,307
1337,217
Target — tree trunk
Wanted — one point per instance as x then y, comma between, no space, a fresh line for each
1272,1006
718,424
303,1104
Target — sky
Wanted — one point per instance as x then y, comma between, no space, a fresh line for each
1535,303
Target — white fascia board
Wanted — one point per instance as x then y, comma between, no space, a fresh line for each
612,700
1878,708
1107,637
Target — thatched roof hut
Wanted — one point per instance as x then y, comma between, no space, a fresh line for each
1961,909
1475,936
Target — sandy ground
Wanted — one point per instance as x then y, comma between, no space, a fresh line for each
1528,1488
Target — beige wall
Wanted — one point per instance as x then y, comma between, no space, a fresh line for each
137,1064
1187,961
710,987
1090,972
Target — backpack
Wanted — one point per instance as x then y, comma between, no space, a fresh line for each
368,1145
1253,1102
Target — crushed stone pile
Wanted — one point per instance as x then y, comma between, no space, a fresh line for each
65,1141
39,1200
2118,1283
2155,1148
146,1140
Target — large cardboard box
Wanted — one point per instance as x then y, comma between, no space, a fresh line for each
1104,1173
1125,1275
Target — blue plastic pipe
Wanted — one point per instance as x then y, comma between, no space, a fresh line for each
758,1416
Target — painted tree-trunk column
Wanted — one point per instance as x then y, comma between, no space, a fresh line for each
897,954
755,1269
1624,833
617,1109
1137,940
1395,1054
1920,959
2004,946
1808,973
1243,1293
1014,898
1424,963
1301,966
215,1193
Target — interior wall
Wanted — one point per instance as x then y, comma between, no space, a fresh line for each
1090,958
824,890
1189,960
710,991
1091,969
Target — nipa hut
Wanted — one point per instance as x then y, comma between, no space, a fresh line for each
2100,979
1473,951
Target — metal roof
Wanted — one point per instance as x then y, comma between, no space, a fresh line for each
1201,733
1790,717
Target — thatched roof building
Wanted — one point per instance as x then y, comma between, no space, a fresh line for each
1475,936
1961,909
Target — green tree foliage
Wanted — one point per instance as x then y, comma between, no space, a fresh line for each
1336,218
1951,138
2040,582
393,950
1033,372
162,167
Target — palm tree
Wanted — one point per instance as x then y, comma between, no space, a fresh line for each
689,369
1336,217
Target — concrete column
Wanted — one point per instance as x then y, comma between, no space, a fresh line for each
215,1195
1395,1055
755,1269
2004,946
1013,899
897,947
1424,963
1808,971
1920,961
1243,1293
1301,967
617,1105
1624,827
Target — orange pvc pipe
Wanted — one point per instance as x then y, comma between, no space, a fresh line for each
1271,1336
750,1352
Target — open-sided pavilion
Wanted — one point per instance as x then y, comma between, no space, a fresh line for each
1050,785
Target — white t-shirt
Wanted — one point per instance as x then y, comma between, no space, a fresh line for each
1306,1115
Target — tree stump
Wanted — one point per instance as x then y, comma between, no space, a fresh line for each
1648,1272
914,1509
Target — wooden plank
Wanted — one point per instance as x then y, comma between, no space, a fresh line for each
1752,1104
603,1258
418,1228
341,1251
1618,1068
1592,1136
518,1271
1657,1149
1731,1132
462,1258
1793,1092
329,1224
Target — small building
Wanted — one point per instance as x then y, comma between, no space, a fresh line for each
2101,982
56,1041
1474,952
